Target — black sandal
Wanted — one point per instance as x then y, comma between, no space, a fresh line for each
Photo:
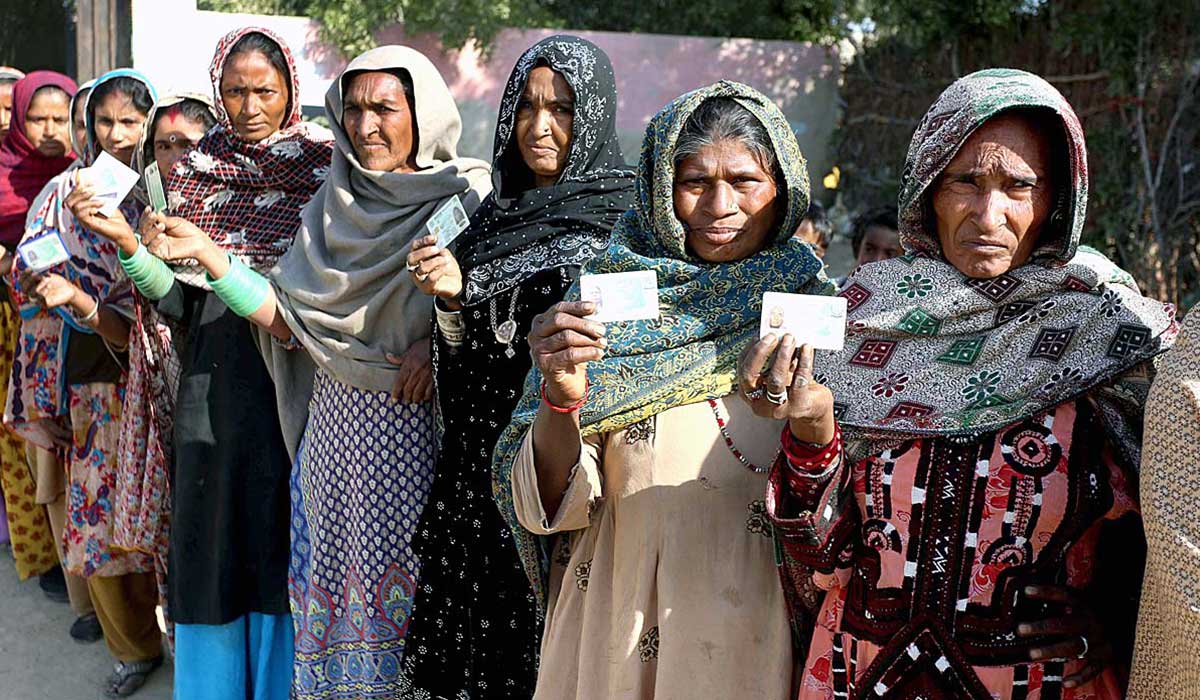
128,677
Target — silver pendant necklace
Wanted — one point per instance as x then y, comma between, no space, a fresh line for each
506,331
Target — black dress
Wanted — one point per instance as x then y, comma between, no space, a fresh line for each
229,490
475,627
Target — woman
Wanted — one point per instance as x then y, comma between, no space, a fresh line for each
360,483
475,626
661,580
990,392
142,509
243,185
1168,629
33,151
77,342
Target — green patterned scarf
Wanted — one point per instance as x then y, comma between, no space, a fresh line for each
930,352
709,312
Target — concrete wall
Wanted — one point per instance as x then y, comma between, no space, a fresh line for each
173,44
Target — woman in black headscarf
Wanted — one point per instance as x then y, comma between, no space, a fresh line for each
561,183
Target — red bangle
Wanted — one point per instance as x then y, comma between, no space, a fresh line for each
573,407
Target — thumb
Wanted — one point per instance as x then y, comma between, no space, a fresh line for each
393,359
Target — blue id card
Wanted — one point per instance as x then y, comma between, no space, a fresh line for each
44,251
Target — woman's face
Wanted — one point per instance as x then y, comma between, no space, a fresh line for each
879,243
5,107
376,116
994,197
174,135
545,116
254,94
77,120
48,123
726,202
118,124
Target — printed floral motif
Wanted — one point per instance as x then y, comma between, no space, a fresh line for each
648,645
582,572
890,384
757,522
641,431
914,286
981,385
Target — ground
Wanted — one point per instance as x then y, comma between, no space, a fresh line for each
40,661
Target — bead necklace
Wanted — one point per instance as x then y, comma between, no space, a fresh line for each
723,423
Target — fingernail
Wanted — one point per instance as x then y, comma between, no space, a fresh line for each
1031,590
604,342
601,330
770,337
1024,629
1069,684
1035,654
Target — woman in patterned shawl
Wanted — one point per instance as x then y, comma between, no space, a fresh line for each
546,216
69,373
1168,629
244,186
990,395
628,443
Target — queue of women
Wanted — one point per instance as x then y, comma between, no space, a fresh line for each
350,462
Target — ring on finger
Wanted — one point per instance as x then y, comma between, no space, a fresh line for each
422,276
1083,654
410,268
754,394
777,398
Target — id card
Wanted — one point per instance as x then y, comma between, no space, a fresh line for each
111,179
818,321
44,251
621,296
447,222
154,188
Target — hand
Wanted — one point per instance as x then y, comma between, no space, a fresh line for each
180,239
152,224
86,209
435,271
49,291
58,432
562,342
1067,634
414,381
807,405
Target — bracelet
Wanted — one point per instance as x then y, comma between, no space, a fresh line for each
573,407
150,275
243,290
90,316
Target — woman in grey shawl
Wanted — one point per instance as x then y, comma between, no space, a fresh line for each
365,459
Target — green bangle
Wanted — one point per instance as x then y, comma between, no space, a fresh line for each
151,276
243,290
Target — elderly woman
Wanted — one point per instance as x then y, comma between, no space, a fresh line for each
990,396
629,445
342,293
1168,629
560,184
244,185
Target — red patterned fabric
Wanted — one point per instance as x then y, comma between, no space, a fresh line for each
247,196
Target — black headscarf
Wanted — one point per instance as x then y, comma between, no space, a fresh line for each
518,232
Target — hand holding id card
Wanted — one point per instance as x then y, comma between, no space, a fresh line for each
44,251
621,296
447,222
110,180
818,321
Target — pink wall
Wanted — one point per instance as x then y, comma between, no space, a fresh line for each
651,70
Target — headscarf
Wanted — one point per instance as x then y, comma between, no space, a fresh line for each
520,230
344,289
39,360
24,171
79,148
930,352
709,311
247,196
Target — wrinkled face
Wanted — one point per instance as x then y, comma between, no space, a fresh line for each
118,124
545,116
254,94
879,243
5,107
78,126
726,201
377,117
809,234
174,136
47,123
994,197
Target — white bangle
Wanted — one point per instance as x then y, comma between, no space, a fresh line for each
91,315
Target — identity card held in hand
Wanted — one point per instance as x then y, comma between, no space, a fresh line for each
818,321
111,180
621,296
43,252
447,222
154,188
